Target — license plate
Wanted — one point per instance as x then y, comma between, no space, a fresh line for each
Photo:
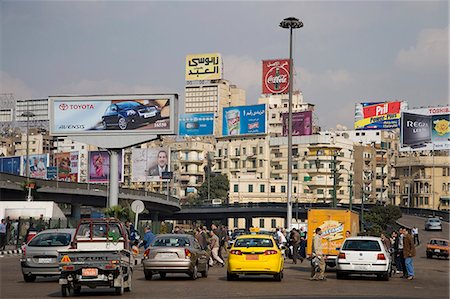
437,250
91,272
252,257
147,115
46,260
167,255
361,267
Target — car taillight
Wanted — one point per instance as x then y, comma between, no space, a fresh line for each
24,250
147,252
187,253
236,252
270,252
381,257
341,256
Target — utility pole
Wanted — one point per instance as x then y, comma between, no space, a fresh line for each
333,163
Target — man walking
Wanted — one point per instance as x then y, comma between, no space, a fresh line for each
2,234
317,253
415,233
295,241
409,251
148,237
214,245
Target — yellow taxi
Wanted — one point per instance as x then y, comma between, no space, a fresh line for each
255,255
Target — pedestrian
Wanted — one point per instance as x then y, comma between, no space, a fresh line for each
9,231
222,241
295,242
318,261
281,239
409,251
386,242
302,247
400,256
348,234
214,245
415,233
201,237
2,234
40,223
148,238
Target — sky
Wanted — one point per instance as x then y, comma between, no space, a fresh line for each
346,53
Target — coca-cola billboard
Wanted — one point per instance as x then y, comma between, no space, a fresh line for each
275,76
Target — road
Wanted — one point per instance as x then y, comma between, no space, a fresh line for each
431,281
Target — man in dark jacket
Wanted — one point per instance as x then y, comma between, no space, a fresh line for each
295,241
409,251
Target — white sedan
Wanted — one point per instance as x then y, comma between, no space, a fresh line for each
363,255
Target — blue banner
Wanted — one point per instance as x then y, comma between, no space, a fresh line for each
199,124
10,165
52,172
244,120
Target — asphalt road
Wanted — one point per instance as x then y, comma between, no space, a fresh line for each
431,281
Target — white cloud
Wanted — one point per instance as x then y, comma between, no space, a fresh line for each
330,79
15,86
243,71
429,53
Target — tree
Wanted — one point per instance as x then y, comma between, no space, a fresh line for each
219,187
382,218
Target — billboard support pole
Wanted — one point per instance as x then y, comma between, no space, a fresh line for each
113,199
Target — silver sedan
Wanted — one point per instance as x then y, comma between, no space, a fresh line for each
175,253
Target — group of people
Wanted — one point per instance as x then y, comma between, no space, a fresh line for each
295,243
215,240
404,250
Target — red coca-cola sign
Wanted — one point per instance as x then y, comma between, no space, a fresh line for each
275,76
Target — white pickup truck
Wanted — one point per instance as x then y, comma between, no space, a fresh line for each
99,257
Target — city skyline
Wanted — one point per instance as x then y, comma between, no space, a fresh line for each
347,52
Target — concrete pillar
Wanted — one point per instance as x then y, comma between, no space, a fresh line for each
113,178
155,222
75,212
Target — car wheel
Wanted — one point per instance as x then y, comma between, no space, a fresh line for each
104,125
340,275
29,278
429,255
194,273
384,276
162,275
231,277
205,273
122,123
129,278
278,276
65,291
148,274
77,290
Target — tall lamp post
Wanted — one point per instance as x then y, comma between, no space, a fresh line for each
28,114
290,23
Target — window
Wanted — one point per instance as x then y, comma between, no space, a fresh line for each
295,189
294,166
319,191
250,188
283,189
236,188
235,222
220,152
272,189
244,151
261,223
260,163
262,188
273,223
254,150
236,151
253,242
260,149
50,239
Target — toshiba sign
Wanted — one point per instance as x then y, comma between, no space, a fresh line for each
275,76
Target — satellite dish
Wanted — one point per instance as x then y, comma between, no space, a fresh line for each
137,206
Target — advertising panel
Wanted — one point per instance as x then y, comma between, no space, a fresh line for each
378,115
38,165
301,123
199,124
52,173
204,67
425,129
148,164
10,165
99,167
97,115
67,166
275,76
241,120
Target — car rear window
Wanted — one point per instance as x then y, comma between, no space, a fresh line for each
253,242
170,242
439,242
434,220
361,245
50,239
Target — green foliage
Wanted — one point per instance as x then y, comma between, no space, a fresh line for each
193,200
118,212
380,218
219,187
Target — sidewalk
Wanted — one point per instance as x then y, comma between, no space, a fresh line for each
10,249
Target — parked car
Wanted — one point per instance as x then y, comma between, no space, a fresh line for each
40,254
124,115
255,254
175,253
363,255
437,247
433,224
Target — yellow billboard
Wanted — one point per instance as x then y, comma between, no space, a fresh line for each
203,67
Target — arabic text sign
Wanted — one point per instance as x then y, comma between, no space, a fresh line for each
244,120
378,115
203,67
275,76
301,123
199,124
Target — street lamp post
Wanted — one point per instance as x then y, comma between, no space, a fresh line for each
28,114
290,23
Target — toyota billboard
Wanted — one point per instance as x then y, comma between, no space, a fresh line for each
121,114
425,129
275,76
378,115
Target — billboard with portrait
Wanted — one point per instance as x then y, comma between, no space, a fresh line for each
242,120
10,165
148,164
99,167
204,67
199,124
115,114
67,166
425,129
301,123
37,164
379,115
275,76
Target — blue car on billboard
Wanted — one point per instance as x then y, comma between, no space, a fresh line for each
126,115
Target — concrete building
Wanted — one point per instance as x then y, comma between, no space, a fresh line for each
39,108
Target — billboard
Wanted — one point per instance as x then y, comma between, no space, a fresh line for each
301,123
425,129
204,67
241,120
379,115
199,124
118,114
10,165
67,166
275,76
99,167
37,164
148,164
